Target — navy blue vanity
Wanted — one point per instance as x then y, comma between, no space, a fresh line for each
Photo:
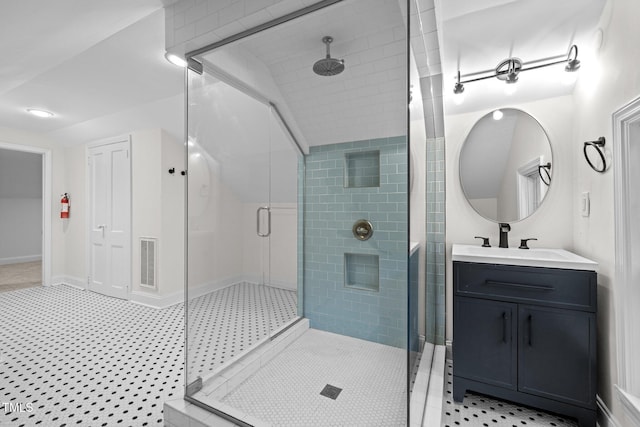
525,328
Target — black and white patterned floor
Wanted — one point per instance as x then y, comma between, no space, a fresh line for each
231,320
479,410
72,357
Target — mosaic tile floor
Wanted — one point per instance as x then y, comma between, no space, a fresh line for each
73,357
479,410
227,322
286,392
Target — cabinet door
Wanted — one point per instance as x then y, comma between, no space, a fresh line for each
557,354
484,348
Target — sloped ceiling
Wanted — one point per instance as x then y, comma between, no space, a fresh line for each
95,65
368,99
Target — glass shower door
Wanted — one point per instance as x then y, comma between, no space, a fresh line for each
229,224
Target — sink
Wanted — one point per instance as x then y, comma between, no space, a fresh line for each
535,257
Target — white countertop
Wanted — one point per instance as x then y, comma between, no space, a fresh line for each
535,257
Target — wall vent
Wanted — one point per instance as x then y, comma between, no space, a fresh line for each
148,262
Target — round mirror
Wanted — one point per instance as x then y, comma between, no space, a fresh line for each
506,165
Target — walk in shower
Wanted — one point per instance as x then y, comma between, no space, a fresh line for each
302,306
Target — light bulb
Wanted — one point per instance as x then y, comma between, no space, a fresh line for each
497,115
569,78
458,98
175,59
39,113
510,89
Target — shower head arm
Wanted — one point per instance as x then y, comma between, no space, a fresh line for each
327,40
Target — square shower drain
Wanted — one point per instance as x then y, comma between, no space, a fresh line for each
330,391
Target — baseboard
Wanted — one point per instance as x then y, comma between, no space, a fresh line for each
156,301
605,417
74,282
215,285
20,259
630,405
163,301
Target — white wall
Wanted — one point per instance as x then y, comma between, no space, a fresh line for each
75,176
158,212
607,82
215,227
551,224
171,273
20,206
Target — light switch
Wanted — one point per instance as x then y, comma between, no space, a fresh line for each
584,204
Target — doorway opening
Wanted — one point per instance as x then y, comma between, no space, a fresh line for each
25,216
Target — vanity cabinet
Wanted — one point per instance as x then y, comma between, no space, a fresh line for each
528,335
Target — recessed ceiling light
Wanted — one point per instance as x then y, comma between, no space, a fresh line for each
497,115
175,59
39,113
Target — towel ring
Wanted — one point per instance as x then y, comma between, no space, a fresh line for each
546,178
598,145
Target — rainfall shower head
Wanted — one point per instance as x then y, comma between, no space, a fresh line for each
328,66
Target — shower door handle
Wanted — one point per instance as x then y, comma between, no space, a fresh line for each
268,233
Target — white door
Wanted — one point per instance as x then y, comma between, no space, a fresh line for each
110,219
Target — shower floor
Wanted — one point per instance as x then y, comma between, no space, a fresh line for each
287,390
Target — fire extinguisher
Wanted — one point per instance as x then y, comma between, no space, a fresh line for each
64,206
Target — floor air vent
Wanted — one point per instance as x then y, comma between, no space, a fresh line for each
330,391
148,262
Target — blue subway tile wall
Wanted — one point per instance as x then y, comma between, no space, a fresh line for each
435,253
330,210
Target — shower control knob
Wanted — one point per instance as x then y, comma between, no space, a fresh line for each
362,229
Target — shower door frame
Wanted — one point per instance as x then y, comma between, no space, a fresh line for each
194,65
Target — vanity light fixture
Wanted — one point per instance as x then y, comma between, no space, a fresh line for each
458,92
509,69
40,113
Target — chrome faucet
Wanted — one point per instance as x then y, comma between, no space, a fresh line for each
504,234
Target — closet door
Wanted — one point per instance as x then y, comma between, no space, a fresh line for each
109,168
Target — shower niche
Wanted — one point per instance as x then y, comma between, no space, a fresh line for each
362,272
362,169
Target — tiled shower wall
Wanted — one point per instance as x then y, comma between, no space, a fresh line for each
435,253
330,210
